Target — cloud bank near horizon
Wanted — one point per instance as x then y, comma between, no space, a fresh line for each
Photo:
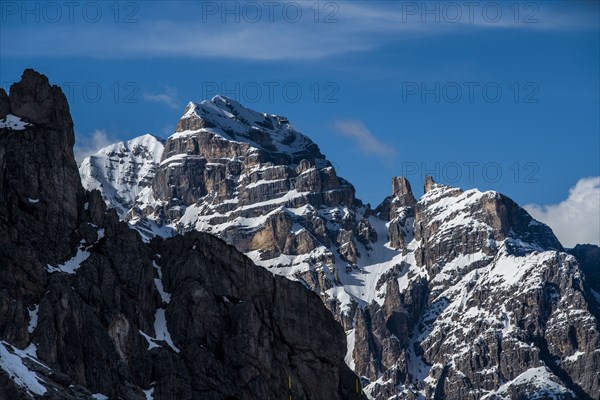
575,220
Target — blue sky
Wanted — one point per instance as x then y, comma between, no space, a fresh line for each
499,95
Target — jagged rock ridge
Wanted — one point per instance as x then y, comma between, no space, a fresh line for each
88,310
456,295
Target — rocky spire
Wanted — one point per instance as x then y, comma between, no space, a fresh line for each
429,182
41,190
402,190
34,100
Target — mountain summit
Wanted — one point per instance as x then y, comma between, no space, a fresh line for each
456,295
230,120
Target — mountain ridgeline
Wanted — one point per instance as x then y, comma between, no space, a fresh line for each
456,295
90,311
139,277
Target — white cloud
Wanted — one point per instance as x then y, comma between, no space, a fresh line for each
168,98
346,28
88,145
576,219
366,142
261,41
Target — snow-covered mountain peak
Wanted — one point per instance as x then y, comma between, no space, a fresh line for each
452,213
227,119
146,144
121,170
435,191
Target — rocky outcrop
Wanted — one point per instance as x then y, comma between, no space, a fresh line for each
40,185
88,310
399,210
39,103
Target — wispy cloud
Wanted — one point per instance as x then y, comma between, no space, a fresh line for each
576,219
163,38
168,130
353,27
440,18
169,98
364,140
88,145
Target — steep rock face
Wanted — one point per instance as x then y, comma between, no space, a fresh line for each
457,295
588,256
40,184
40,192
86,307
226,164
234,172
234,321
